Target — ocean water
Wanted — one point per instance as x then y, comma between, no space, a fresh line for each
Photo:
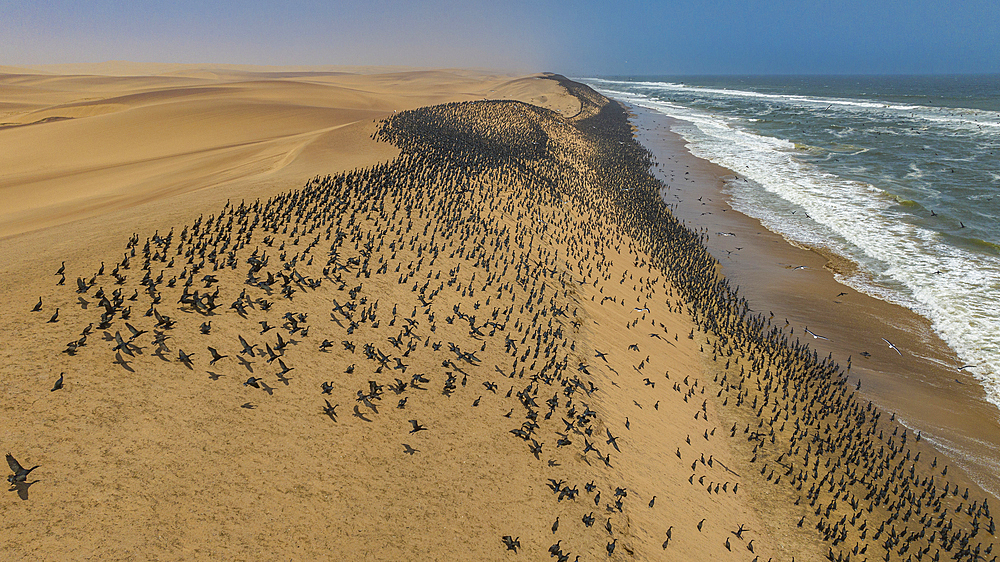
901,175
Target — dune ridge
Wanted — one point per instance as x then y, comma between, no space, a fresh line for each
77,146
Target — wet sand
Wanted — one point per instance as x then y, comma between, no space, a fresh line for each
923,385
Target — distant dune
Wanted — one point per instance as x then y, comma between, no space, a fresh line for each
113,135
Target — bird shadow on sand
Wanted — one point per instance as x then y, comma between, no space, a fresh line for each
22,489
246,364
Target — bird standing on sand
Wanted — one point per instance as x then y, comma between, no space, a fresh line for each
512,543
59,383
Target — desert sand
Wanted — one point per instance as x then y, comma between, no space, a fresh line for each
302,315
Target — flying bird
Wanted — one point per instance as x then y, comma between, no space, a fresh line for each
815,335
330,410
215,355
20,473
892,346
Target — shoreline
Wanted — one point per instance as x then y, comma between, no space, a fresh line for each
919,385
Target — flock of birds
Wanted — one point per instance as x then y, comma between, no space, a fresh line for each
464,264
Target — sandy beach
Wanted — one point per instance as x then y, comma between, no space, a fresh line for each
390,314
925,386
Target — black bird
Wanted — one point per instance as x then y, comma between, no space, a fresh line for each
535,448
20,473
252,381
121,345
416,427
55,317
247,348
327,387
555,526
135,333
612,440
185,357
59,383
330,410
511,543
284,368
38,306
611,547
215,355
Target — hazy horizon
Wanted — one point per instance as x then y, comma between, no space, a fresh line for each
579,39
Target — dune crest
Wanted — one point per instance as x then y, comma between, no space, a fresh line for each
75,146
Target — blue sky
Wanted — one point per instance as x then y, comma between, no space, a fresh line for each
574,37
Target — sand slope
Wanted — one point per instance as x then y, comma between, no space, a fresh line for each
74,146
145,457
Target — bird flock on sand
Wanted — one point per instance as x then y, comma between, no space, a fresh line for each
460,271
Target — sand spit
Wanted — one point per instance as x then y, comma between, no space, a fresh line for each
498,344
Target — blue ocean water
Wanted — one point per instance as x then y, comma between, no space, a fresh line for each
899,174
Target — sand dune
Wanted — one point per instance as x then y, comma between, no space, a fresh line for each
483,326
78,145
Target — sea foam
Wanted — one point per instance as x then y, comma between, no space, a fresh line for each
956,288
